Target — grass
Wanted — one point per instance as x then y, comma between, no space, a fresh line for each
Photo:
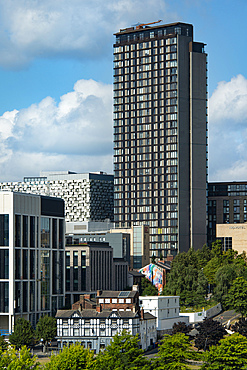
207,305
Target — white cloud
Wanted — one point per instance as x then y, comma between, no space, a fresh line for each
74,134
228,131
75,28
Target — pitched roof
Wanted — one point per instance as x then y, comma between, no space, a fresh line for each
94,314
116,294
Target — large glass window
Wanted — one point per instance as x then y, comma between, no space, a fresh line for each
75,278
83,270
4,230
54,233
45,232
17,230
32,264
17,263
25,263
4,297
18,297
4,263
67,264
25,232
32,296
45,280
32,232
25,296
61,234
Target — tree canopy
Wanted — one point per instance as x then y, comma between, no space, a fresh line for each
18,360
187,278
240,326
46,329
230,354
147,288
174,353
181,327
75,357
23,333
237,297
192,272
123,353
209,333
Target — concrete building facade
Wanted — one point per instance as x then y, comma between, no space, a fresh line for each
227,204
164,308
90,266
31,257
160,135
87,196
233,236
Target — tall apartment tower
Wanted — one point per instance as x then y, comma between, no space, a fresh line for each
160,135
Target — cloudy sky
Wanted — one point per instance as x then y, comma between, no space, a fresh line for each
56,81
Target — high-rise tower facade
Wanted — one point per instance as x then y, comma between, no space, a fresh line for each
160,135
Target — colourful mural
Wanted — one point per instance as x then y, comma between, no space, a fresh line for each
153,274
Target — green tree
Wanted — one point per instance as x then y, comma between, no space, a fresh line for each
46,329
122,354
186,279
75,357
174,353
147,288
3,343
18,360
181,327
240,326
209,333
237,296
224,277
230,354
23,333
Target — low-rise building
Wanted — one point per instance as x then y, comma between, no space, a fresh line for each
233,236
94,321
164,308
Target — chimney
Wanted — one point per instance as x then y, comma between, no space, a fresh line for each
142,313
82,302
99,292
99,308
169,256
135,288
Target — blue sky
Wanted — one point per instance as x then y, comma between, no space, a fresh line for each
56,77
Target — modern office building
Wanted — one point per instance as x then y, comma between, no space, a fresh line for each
87,196
139,244
120,242
31,257
132,243
90,266
160,134
227,204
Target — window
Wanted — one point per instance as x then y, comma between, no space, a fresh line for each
65,332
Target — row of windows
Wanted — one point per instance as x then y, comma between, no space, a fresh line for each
146,50
141,90
120,83
149,35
